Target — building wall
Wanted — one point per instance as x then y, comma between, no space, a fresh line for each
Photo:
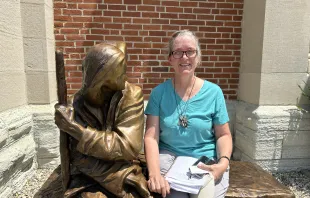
12,57
28,136
39,50
16,150
145,25
274,52
270,130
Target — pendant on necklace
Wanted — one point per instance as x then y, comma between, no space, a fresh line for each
183,121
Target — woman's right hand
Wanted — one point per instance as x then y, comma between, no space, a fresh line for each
158,184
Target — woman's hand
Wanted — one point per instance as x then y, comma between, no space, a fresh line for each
217,170
159,185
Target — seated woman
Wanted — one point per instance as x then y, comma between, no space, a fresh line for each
187,116
105,124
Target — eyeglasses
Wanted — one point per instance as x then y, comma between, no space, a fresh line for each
189,53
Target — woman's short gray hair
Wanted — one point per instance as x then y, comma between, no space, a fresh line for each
184,33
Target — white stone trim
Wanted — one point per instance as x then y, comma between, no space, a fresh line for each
271,136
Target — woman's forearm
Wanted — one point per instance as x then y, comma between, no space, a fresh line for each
152,156
223,143
224,148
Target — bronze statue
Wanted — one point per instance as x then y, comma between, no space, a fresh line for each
104,121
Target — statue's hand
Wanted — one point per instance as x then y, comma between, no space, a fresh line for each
64,118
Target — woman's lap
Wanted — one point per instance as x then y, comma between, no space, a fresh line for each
222,185
166,159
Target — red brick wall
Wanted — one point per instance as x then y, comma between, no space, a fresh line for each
146,25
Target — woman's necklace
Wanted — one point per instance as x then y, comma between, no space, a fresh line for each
183,121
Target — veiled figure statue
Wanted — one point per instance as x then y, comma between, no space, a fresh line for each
104,121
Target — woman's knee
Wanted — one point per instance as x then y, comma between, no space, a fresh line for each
207,191
222,185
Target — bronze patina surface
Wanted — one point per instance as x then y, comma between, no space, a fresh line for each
104,121
249,180
62,100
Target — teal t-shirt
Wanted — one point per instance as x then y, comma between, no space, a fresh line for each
205,109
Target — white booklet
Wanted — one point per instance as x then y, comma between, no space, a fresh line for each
181,179
195,170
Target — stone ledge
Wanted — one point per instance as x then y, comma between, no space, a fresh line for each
258,150
14,124
275,165
17,163
249,180
19,152
47,143
271,136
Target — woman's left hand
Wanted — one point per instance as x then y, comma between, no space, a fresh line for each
217,170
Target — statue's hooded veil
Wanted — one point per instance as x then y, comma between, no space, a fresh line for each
101,61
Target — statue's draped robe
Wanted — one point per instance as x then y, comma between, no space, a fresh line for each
108,150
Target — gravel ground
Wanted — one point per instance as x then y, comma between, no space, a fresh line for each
33,184
297,181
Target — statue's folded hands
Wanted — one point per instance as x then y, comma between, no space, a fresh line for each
65,122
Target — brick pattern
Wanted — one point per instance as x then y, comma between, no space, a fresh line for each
146,25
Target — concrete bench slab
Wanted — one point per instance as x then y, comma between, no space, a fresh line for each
249,180
246,180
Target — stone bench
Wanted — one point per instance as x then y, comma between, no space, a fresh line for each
246,180
250,180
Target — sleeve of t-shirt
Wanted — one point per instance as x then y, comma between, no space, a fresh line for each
152,107
221,116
